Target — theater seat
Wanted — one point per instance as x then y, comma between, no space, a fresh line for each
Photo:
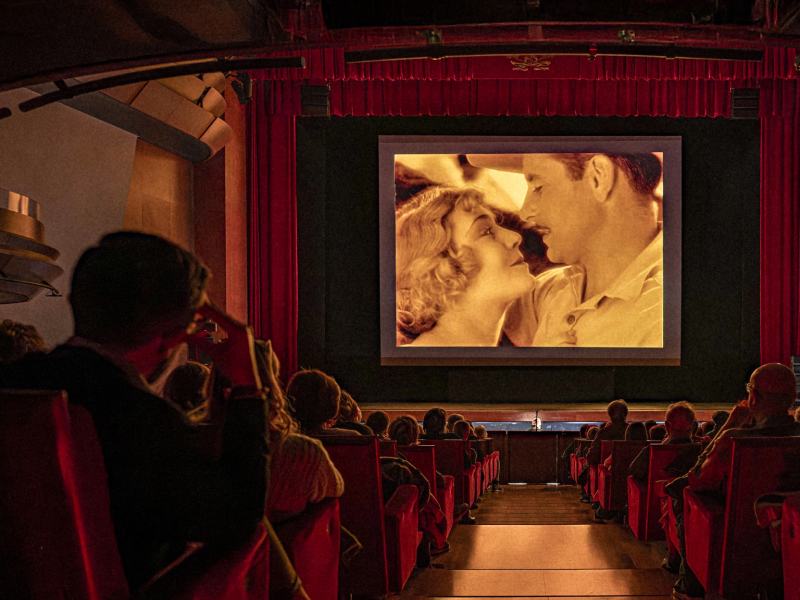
423,457
384,531
388,447
790,547
725,548
55,522
311,541
644,498
611,481
450,461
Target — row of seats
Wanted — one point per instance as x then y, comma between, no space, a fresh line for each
58,537
389,531
726,549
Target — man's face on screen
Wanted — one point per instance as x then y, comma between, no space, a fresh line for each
502,272
563,209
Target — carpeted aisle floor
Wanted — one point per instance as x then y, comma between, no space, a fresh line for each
539,541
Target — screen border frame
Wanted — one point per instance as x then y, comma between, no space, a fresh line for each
668,355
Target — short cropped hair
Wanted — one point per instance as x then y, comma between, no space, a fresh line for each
404,430
434,421
378,421
719,417
314,398
462,429
453,419
657,433
636,431
592,432
17,340
431,271
642,169
680,416
617,410
133,286
481,433
187,385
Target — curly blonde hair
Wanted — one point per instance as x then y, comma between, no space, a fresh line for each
431,271
280,422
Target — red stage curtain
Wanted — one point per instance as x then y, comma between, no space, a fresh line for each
272,230
609,86
780,223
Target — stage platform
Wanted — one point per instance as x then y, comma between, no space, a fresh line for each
545,412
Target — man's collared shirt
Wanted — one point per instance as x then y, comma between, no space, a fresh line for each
628,314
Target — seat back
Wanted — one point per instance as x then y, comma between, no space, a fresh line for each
362,509
450,457
790,547
622,454
424,458
759,465
661,457
311,541
55,520
388,447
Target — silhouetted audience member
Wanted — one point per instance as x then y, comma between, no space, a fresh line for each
649,424
481,433
301,472
613,430
350,415
433,425
314,402
188,387
452,420
397,471
18,340
765,413
719,417
797,414
135,298
657,433
706,428
464,430
636,431
378,422
678,426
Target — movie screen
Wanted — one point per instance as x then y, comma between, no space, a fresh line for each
530,251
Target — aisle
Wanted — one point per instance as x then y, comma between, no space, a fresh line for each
539,541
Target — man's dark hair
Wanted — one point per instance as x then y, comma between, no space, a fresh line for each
133,286
643,169
453,419
617,410
636,431
434,421
719,417
378,421
314,398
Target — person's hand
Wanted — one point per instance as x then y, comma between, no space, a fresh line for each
233,352
740,416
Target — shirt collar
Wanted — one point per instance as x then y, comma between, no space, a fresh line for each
629,283
131,373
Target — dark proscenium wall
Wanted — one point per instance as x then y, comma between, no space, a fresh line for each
337,187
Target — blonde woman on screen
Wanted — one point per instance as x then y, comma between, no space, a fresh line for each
458,271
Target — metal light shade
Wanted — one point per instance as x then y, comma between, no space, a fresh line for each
27,264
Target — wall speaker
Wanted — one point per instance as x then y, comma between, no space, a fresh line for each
744,103
315,100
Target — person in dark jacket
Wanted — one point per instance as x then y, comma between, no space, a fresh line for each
135,299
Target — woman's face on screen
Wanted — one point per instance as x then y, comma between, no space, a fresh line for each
502,272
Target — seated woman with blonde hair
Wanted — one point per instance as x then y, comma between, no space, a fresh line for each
458,271
301,472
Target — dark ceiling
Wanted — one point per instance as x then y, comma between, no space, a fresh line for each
43,40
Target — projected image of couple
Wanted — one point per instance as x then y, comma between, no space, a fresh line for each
551,250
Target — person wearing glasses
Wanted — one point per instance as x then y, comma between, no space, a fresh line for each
598,215
771,392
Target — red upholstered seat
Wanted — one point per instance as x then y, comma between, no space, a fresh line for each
311,541
384,531
423,457
450,461
55,520
790,547
388,448
725,548
593,482
58,538
645,499
611,482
